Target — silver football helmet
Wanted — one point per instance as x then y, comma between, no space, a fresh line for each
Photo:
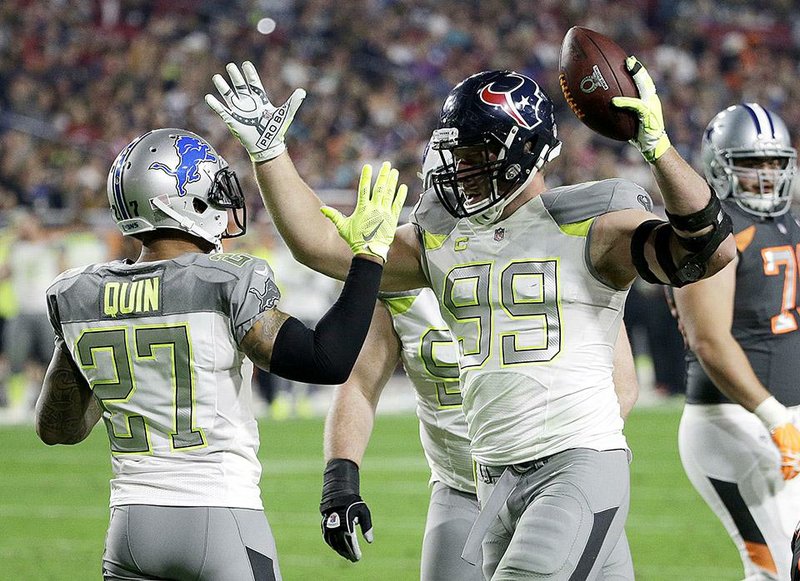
432,160
173,178
747,154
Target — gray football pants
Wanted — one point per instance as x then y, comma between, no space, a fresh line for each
451,514
197,543
564,520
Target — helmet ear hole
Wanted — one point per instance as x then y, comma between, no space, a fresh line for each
199,205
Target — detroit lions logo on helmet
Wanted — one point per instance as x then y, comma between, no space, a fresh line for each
191,153
502,92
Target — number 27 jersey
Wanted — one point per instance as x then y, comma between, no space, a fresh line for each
158,344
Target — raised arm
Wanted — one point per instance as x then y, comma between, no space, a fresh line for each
295,208
625,382
326,354
66,410
347,431
696,242
705,310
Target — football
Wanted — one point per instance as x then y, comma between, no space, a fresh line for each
591,72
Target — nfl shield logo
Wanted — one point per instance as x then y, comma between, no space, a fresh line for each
499,234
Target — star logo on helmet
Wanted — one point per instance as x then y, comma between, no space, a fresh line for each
500,93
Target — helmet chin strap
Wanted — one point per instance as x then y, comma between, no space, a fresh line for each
492,214
186,224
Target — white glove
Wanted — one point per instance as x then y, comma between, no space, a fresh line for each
249,114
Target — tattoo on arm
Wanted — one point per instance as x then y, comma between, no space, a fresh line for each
66,410
260,339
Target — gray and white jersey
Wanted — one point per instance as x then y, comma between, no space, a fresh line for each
158,343
536,328
430,360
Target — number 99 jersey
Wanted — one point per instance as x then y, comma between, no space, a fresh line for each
158,344
536,328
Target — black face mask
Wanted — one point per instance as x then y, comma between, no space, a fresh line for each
226,194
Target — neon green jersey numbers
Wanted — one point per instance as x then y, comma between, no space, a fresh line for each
447,391
99,350
527,324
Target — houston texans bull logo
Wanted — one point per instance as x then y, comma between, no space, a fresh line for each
191,153
500,93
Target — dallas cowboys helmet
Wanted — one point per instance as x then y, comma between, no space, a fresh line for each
173,179
736,144
499,129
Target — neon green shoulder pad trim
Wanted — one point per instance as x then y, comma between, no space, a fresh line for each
433,241
580,229
398,305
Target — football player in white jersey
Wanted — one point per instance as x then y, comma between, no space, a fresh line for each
407,327
161,350
742,329
531,282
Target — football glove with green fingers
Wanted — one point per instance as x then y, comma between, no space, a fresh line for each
651,138
249,114
370,229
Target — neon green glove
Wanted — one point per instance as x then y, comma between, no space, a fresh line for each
249,114
652,139
370,229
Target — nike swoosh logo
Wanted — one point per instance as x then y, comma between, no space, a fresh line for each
371,235
263,271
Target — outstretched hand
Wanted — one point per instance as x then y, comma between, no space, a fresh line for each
250,115
371,227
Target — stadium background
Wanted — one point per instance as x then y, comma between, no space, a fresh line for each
79,79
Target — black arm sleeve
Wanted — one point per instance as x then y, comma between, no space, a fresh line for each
327,354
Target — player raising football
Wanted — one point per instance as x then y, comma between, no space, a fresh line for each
408,326
159,348
531,282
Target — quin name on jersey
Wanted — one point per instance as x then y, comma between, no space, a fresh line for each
529,366
157,343
131,298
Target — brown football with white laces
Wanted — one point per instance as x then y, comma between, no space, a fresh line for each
591,73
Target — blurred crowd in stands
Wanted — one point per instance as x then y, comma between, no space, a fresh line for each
80,78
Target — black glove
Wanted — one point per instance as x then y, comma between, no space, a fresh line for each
342,508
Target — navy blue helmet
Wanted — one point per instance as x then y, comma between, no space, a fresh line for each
496,130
